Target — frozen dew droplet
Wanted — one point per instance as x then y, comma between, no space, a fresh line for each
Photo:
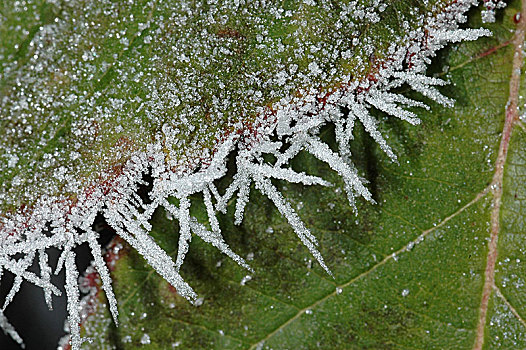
126,339
309,264
245,279
145,339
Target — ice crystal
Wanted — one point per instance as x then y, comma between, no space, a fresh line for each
10,330
290,127
488,15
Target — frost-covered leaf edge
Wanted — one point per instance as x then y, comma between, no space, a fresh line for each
296,122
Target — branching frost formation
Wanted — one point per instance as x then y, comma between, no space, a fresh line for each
292,128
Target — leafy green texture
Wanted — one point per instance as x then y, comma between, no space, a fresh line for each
100,79
100,94
506,326
410,272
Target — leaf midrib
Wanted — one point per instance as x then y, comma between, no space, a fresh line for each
512,117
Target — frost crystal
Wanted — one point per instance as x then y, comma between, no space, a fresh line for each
488,15
8,329
289,127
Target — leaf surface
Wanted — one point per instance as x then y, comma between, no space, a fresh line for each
425,268
103,80
437,263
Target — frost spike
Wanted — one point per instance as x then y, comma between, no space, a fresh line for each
369,124
392,109
266,187
457,35
73,306
21,265
217,241
185,235
104,274
212,219
62,258
424,85
45,274
231,189
242,200
342,138
29,276
343,131
289,175
213,189
154,255
321,151
291,152
10,330
304,126
391,97
12,292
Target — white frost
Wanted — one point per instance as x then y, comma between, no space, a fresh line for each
293,128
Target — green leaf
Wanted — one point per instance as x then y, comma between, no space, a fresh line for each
438,263
95,95
101,78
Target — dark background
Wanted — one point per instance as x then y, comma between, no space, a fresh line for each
39,327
